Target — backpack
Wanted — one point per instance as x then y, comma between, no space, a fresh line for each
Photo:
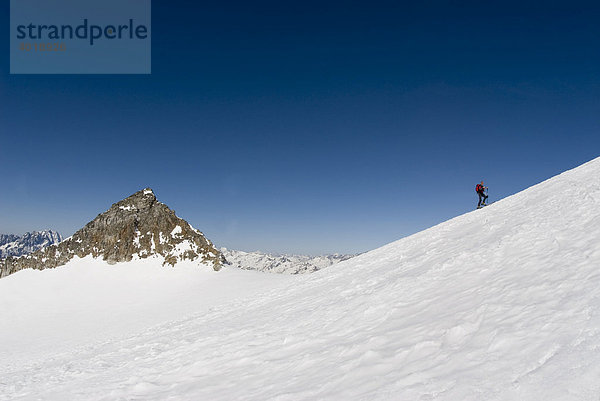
478,188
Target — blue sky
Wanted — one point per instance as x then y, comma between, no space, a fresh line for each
309,128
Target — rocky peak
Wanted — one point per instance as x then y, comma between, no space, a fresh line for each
137,227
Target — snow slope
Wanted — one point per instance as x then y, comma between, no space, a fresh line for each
89,301
501,303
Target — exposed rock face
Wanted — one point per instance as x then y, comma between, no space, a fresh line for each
290,264
14,245
136,227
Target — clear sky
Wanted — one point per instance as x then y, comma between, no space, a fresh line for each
311,127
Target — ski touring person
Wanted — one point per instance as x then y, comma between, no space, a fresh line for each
479,188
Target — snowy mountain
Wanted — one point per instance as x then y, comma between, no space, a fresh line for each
501,303
290,264
6,238
14,245
137,227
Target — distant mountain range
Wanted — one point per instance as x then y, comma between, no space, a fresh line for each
15,245
140,227
290,264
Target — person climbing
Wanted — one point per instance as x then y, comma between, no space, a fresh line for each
479,188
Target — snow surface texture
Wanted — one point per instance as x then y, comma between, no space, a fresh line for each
290,264
502,303
14,245
88,301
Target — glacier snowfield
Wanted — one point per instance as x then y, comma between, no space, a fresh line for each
502,303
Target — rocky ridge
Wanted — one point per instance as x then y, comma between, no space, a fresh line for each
137,227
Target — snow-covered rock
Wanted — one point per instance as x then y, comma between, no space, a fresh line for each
501,303
290,264
137,227
17,245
